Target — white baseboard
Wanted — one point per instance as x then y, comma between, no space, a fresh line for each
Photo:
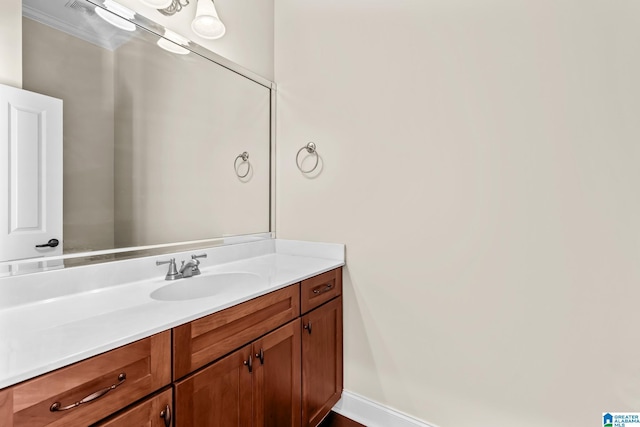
373,414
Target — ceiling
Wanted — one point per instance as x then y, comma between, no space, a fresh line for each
77,18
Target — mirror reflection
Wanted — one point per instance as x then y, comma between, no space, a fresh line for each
151,134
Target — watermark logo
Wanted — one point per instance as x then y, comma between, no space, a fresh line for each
620,419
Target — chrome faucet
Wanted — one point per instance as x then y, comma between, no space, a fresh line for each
188,269
192,268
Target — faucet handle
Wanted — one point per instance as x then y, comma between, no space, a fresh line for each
198,256
173,273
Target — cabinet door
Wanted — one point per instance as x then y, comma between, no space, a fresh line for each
277,378
217,396
153,412
321,361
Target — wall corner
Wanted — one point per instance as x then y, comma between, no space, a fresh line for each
11,43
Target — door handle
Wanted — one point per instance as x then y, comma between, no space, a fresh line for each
307,327
166,416
52,243
249,363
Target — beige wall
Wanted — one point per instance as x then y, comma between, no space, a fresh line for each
81,74
180,123
11,43
481,165
249,37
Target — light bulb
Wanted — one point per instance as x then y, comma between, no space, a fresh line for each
116,14
171,42
207,24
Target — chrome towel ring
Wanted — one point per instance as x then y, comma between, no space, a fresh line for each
245,158
311,149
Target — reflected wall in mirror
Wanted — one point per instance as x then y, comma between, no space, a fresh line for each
150,136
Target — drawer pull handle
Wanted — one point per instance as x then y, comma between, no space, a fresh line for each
57,406
249,363
166,416
327,288
308,327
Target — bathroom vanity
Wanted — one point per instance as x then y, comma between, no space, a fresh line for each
254,340
267,353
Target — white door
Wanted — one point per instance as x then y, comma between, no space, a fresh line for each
30,174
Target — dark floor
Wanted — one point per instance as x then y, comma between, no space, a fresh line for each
337,420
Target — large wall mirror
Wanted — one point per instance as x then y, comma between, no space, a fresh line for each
152,133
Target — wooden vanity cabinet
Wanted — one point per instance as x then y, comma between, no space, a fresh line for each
258,385
322,380
321,361
107,382
256,364
289,377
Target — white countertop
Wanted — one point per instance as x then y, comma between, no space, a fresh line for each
46,334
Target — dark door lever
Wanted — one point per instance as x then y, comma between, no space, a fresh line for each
52,243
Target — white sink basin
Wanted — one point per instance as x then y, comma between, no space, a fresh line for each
206,286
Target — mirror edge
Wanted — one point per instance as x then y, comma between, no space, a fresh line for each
37,265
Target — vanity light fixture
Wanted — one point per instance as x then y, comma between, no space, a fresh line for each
116,14
157,4
167,7
173,42
207,23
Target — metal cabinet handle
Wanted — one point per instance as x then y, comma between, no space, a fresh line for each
166,416
308,327
52,243
261,356
327,288
249,363
57,406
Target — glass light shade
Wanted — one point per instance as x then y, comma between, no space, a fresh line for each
171,42
207,24
157,4
116,14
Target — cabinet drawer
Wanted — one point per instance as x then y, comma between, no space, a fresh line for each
320,289
156,411
197,343
145,365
